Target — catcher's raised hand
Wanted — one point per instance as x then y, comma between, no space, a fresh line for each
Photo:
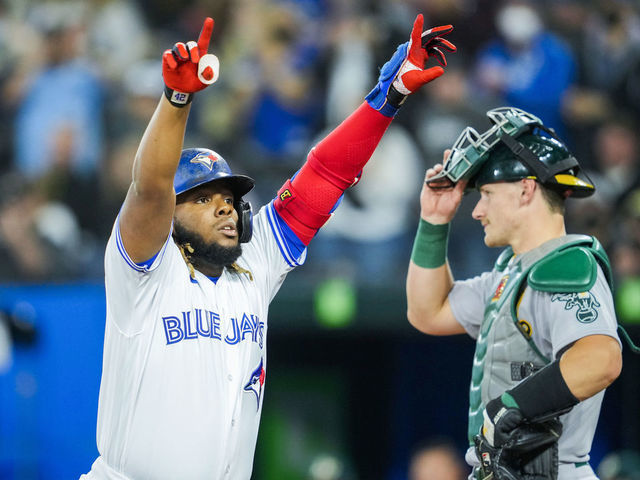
439,206
188,68
405,73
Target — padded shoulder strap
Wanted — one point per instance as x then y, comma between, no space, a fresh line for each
572,268
503,259
565,271
601,256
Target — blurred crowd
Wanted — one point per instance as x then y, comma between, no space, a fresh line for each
80,80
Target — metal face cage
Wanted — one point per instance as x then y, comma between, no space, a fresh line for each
471,148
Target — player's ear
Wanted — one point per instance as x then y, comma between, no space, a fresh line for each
528,187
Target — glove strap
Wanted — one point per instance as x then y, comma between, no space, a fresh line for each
395,98
176,98
384,97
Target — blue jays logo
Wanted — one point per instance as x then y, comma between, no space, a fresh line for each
255,384
206,159
585,301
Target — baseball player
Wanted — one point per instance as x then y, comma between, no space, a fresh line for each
543,318
190,274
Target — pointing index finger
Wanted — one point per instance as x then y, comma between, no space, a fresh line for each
205,36
417,29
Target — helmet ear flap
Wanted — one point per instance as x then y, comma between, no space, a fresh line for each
245,220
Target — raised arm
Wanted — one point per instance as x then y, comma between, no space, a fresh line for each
429,279
336,163
147,212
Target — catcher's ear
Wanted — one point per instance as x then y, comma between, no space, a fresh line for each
528,187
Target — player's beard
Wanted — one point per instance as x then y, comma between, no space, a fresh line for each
205,253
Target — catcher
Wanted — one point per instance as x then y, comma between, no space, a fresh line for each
543,318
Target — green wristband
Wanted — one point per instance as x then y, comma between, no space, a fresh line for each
430,245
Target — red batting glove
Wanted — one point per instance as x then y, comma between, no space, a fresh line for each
405,72
188,68
412,74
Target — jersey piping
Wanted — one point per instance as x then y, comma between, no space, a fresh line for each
145,266
292,249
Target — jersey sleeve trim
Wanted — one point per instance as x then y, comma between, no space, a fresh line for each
291,247
147,265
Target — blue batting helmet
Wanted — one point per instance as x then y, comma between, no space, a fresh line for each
200,165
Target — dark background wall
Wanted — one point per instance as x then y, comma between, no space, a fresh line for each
364,393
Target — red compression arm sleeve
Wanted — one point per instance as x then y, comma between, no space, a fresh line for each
331,167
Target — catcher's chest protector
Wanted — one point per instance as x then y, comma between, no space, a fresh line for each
505,353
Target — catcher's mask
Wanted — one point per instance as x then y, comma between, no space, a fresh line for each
199,166
517,146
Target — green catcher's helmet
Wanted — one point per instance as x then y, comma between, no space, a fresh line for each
517,146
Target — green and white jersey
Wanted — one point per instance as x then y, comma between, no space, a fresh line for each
519,329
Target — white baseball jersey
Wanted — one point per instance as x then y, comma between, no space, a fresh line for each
185,360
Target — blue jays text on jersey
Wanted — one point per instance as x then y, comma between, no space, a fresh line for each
199,322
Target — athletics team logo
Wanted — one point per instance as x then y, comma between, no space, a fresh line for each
585,301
